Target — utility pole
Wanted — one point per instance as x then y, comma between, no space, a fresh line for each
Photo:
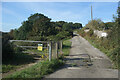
91,13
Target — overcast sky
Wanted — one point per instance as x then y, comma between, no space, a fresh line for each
14,13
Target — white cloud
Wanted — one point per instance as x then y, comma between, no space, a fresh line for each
107,21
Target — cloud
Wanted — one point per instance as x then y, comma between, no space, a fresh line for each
107,21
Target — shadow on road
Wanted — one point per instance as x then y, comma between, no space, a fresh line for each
78,61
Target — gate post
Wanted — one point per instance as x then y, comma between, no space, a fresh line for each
56,49
61,46
50,51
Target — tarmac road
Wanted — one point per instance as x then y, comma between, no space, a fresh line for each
85,61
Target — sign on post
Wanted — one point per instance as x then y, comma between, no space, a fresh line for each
40,47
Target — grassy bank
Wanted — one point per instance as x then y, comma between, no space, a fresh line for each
110,52
38,70
103,44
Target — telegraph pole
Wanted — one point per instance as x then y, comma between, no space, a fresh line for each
91,13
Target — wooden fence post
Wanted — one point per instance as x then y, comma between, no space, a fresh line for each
56,49
50,51
61,47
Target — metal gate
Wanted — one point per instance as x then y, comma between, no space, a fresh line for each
47,49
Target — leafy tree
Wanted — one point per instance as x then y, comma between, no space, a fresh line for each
11,33
109,25
96,24
115,40
67,27
77,26
115,30
59,25
36,25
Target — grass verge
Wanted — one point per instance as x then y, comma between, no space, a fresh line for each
66,47
38,70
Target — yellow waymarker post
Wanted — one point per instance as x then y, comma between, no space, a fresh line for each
40,47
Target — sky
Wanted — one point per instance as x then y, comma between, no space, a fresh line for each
14,13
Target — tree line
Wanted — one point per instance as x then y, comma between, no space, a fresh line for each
40,27
36,27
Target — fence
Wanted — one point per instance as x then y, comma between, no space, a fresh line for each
49,49
56,49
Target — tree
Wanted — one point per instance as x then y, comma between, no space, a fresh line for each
40,27
77,26
96,24
114,38
11,33
67,27
109,25
36,25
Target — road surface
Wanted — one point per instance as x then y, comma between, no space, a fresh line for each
85,61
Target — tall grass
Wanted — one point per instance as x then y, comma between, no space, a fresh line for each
38,70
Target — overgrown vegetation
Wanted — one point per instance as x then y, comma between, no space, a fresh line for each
44,67
12,57
110,44
38,70
37,27
17,61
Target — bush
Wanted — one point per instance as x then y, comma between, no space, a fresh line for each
114,55
60,36
7,48
90,33
17,49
